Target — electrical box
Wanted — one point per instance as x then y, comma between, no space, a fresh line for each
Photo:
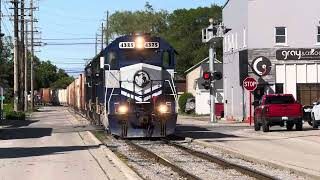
208,34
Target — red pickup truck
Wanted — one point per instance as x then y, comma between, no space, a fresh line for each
278,109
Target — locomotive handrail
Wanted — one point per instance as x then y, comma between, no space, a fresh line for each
174,94
174,87
106,92
110,100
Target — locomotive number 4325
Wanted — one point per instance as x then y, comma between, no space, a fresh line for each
132,45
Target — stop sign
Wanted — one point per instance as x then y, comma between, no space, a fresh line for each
250,84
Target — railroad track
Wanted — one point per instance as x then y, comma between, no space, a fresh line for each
163,161
225,165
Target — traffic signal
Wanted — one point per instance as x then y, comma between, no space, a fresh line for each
217,76
206,76
206,85
212,76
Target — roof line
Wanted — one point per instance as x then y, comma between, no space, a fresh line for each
225,4
199,63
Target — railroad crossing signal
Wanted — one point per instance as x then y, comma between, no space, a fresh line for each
210,77
250,84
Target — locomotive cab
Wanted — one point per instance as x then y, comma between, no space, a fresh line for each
140,95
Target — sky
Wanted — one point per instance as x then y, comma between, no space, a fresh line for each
67,19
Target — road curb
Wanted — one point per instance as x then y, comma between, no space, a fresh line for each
252,159
128,172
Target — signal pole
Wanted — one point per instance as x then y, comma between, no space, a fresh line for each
212,35
16,55
212,57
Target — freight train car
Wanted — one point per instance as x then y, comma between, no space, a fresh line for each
129,88
75,94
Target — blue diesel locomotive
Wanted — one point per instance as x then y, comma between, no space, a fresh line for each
130,87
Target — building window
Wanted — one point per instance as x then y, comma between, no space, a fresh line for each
244,38
279,88
281,35
318,35
236,41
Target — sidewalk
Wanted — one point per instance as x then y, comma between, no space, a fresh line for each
54,145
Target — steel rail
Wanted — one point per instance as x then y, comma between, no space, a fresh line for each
163,161
214,159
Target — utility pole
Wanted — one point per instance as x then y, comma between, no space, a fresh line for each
16,55
212,35
1,34
26,68
96,46
107,29
32,55
102,37
22,57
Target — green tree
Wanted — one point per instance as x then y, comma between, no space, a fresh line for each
146,21
45,74
62,82
184,33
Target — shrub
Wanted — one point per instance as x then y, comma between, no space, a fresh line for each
7,108
183,101
12,115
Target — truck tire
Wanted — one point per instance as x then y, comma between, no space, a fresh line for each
315,125
290,126
299,126
257,126
265,126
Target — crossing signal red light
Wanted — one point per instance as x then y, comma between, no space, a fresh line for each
206,75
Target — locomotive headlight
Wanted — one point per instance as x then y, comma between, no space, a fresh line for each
122,109
163,108
139,42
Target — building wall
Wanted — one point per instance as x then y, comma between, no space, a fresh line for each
203,101
233,91
235,17
253,25
191,80
301,17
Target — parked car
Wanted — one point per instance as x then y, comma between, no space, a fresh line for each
278,109
190,105
306,110
315,115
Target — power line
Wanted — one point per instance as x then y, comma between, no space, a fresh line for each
67,44
65,39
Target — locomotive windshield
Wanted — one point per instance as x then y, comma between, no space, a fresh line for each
149,56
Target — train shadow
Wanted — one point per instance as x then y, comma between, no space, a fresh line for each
24,133
20,152
201,133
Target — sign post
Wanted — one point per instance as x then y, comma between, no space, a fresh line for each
250,84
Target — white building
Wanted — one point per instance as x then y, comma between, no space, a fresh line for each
194,86
275,41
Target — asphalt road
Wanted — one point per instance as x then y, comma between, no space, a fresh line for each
47,147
